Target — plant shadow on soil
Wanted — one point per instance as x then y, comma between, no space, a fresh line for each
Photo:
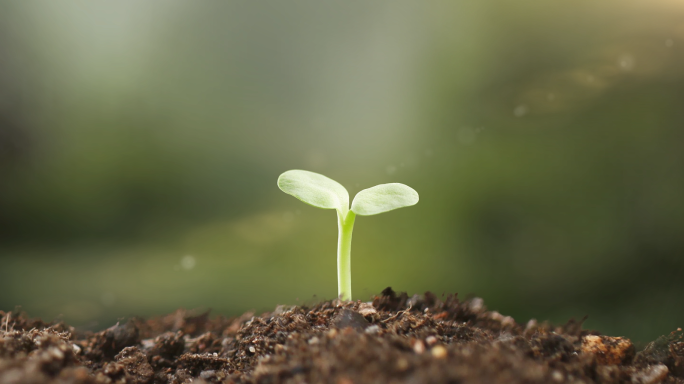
393,339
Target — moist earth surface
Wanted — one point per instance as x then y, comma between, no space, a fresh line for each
392,339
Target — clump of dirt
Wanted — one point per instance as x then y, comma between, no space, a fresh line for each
392,339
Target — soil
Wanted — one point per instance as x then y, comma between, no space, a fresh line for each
393,339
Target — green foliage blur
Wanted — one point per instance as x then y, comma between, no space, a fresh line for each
140,143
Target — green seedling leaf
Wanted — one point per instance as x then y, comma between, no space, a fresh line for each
322,192
315,189
383,198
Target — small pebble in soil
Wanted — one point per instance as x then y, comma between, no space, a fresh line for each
208,374
418,347
476,304
367,309
608,350
118,337
347,318
507,321
651,375
402,364
438,352
135,365
55,353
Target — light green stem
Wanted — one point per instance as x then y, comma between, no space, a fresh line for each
346,226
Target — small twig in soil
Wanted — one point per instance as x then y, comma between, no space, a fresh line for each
397,315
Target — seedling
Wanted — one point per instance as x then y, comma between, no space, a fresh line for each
322,192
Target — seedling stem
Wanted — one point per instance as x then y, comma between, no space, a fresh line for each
344,239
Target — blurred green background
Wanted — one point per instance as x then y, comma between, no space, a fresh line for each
140,143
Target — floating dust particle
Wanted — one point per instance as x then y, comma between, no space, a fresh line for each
188,262
520,111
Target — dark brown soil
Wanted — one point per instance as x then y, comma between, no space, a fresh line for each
394,339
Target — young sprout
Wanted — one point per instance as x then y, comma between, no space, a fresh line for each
322,192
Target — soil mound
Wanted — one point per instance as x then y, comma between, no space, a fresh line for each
393,339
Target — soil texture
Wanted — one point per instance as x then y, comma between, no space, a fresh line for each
393,339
